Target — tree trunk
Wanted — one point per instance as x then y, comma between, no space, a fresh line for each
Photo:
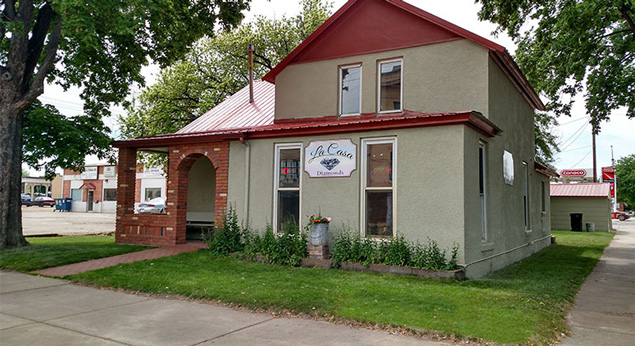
10,177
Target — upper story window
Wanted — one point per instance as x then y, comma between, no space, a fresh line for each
350,89
390,82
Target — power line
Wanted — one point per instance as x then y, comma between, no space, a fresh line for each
579,132
573,121
582,159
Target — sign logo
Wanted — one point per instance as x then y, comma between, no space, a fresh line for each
608,174
573,172
330,159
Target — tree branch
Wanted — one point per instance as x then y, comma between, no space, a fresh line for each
37,87
36,43
624,9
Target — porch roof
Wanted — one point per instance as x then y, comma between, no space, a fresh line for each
320,126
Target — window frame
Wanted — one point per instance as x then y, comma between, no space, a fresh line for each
379,64
276,182
81,195
339,88
527,217
365,142
145,193
104,194
482,147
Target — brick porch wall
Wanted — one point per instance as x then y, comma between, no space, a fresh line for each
169,228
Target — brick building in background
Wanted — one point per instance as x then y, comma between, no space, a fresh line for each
95,189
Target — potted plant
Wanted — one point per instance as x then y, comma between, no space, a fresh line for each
319,229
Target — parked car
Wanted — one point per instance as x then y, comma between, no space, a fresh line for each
621,215
26,199
153,206
42,201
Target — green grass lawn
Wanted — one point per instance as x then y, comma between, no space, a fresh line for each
46,252
525,303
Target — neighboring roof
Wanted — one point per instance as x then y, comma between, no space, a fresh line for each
368,26
550,172
581,190
89,186
323,126
237,112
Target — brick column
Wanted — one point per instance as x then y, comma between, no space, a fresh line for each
126,173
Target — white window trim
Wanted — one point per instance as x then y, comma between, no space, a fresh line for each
276,182
379,63
339,88
483,199
364,173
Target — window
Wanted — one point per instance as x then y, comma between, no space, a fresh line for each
482,187
110,195
378,182
543,203
390,81
350,90
152,192
526,193
76,194
287,184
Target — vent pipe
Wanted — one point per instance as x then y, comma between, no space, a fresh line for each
250,49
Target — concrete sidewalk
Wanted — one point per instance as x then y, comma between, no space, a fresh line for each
43,311
604,311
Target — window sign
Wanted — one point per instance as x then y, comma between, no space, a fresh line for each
329,159
109,171
89,173
508,167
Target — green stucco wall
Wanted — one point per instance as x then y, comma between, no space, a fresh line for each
445,77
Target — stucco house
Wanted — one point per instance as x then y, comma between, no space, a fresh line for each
387,119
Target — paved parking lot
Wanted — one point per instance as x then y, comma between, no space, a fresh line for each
46,221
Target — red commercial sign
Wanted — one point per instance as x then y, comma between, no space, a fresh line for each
612,190
573,172
608,175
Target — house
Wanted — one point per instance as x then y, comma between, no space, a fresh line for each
592,200
95,189
387,119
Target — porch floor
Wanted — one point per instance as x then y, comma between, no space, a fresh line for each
164,251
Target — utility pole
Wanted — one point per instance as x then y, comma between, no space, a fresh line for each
595,169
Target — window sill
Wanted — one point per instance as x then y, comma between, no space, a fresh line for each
390,112
528,232
485,247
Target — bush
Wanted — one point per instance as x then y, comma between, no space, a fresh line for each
227,238
350,247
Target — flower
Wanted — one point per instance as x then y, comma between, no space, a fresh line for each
319,219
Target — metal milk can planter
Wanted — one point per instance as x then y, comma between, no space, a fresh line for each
319,233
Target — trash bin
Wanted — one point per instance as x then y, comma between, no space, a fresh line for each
576,222
63,204
590,226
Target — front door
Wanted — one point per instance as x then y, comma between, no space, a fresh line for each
89,202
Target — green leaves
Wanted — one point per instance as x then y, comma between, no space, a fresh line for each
625,174
569,47
50,140
215,68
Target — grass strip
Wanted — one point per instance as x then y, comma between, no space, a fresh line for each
47,252
525,303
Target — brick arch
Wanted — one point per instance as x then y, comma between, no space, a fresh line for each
187,159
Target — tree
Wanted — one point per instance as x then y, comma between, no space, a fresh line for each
568,47
216,68
51,140
99,46
625,176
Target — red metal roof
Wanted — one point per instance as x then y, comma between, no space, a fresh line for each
323,126
236,111
367,26
581,190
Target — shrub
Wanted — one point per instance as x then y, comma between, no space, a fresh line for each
227,238
348,246
286,248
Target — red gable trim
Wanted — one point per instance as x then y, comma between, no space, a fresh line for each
324,126
497,52
88,186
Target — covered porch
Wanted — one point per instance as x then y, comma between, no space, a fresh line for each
196,189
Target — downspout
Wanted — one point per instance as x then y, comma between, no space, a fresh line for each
243,140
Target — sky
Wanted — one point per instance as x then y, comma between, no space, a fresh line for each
574,132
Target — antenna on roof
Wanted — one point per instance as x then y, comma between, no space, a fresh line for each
250,49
